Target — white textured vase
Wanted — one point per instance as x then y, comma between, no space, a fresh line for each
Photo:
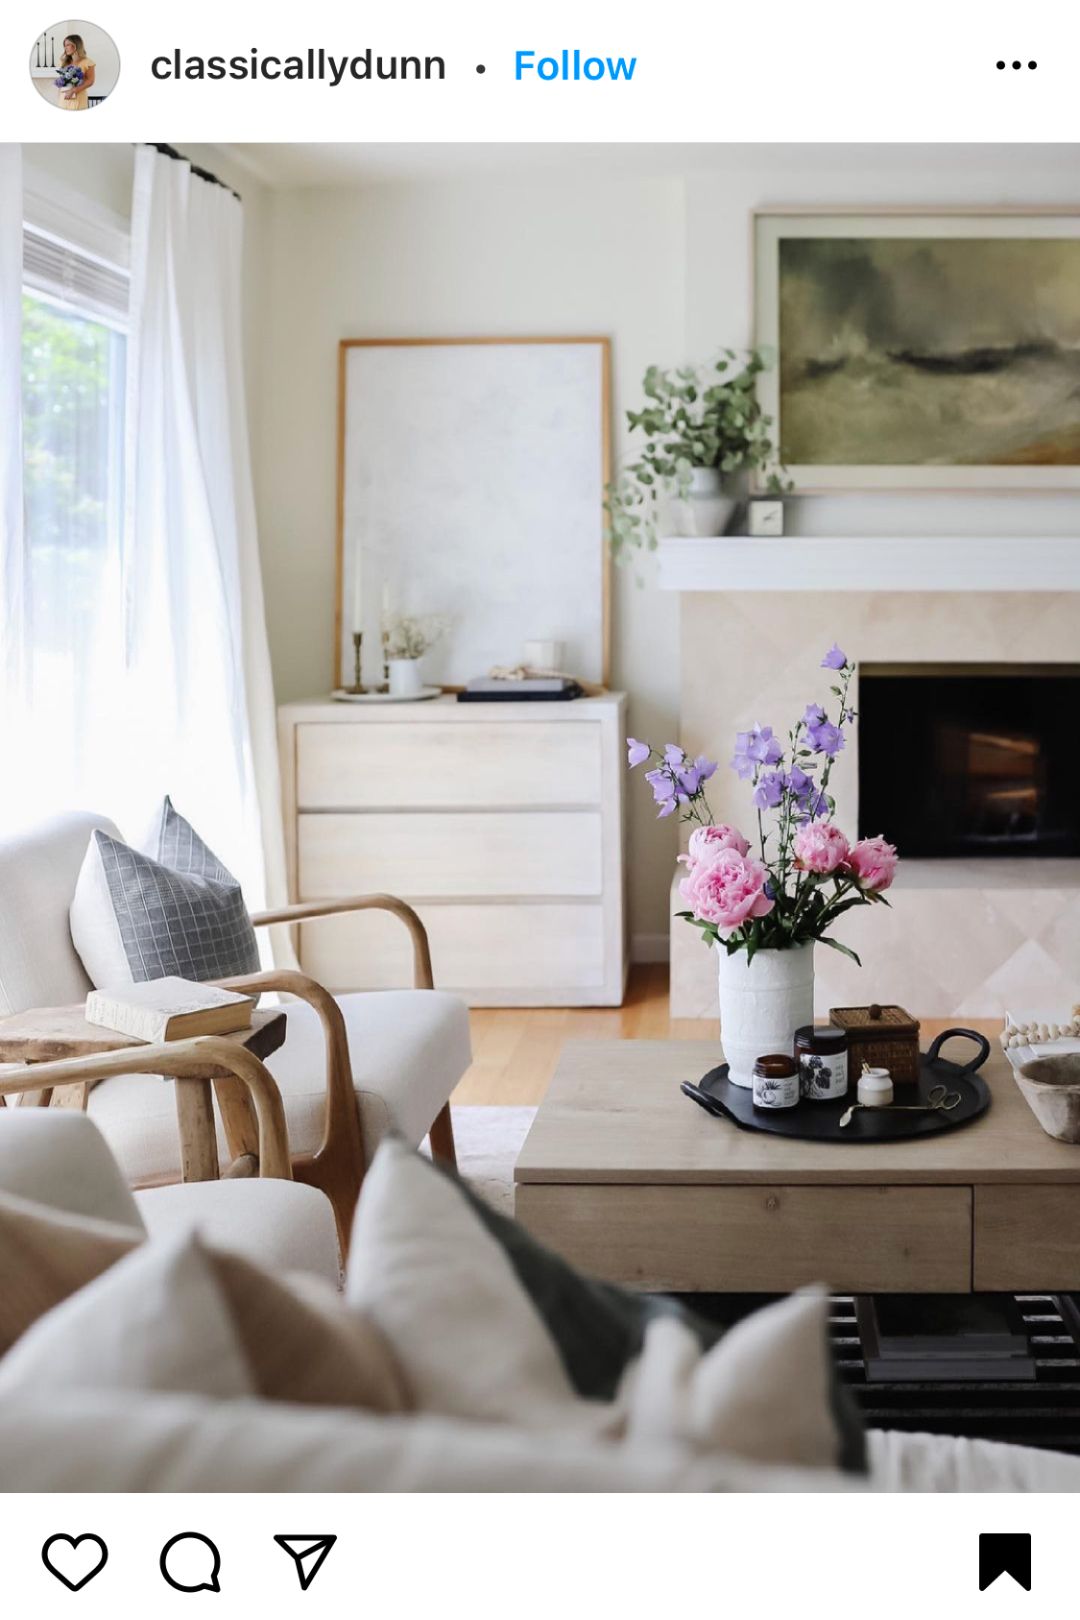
705,510
404,678
762,1004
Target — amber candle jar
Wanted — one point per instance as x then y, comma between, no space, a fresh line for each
776,1081
821,1051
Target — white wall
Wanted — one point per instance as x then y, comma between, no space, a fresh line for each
652,248
555,256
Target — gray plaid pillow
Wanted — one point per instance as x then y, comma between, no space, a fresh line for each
182,914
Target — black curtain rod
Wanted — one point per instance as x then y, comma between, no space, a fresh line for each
203,174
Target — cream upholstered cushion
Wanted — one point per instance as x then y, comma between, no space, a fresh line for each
155,1320
55,1156
47,1255
88,1440
39,966
177,1316
409,1049
281,1225
58,1157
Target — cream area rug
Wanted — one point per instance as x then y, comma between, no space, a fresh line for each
489,1140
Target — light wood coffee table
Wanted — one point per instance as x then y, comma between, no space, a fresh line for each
632,1181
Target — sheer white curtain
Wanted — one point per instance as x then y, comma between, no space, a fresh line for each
12,554
200,724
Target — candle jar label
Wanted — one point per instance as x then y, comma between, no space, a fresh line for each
823,1078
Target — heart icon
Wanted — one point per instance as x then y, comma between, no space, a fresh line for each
75,1560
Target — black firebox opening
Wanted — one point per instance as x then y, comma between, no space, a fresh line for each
970,759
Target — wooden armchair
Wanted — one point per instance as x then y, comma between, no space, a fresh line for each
337,1161
206,1059
354,1066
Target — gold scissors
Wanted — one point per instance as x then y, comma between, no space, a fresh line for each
938,1100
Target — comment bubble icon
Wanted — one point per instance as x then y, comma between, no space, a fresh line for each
191,1563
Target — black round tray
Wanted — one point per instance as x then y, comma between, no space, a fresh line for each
820,1121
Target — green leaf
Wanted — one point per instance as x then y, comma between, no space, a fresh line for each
834,944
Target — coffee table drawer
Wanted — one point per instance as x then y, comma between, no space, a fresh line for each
759,1239
1027,1237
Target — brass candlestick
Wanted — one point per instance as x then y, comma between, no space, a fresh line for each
358,659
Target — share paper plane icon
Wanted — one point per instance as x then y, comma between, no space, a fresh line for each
308,1553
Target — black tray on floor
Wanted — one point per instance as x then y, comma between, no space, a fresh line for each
820,1121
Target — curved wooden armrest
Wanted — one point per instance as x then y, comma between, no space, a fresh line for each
341,1115
307,910
177,1060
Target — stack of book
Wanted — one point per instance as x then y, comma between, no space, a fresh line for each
943,1337
534,688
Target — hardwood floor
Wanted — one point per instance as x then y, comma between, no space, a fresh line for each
515,1049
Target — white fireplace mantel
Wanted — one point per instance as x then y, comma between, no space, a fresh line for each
911,563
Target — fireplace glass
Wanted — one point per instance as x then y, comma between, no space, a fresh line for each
970,759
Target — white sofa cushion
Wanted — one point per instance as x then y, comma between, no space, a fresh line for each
409,1048
280,1225
39,966
155,1321
935,1462
58,1157
447,1279
56,1440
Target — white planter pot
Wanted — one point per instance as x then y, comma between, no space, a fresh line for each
707,508
404,677
762,1004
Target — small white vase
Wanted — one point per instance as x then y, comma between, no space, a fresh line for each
404,677
705,510
762,1004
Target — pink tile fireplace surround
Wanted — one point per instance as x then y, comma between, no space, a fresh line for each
963,938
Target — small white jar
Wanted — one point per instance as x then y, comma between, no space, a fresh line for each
875,1088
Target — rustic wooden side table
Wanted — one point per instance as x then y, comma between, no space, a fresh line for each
73,1055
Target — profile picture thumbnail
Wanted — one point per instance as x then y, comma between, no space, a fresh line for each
74,65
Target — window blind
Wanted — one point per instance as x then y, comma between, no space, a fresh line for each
59,270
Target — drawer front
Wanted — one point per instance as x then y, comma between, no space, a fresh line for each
759,1239
464,765
509,948
455,854
1027,1237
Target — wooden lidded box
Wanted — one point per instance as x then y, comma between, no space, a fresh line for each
882,1038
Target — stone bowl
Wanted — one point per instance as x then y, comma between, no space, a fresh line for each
1051,1088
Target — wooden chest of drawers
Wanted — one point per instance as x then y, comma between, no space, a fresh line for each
502,824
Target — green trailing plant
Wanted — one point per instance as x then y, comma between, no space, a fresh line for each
693,416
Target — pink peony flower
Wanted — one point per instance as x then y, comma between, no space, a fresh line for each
820,847
728,890
873,862
707,842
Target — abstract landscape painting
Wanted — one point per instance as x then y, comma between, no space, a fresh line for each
928,352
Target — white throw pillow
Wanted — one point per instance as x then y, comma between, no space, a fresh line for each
469,1340
764,1392
156,1320
488,1324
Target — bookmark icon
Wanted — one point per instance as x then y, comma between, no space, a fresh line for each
308,1553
